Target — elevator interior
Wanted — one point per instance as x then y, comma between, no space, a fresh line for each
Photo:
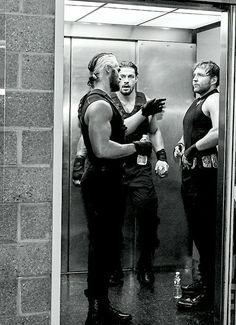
164,45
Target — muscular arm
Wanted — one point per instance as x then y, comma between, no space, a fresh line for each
162,166
155,135
133,122
211,109
98,117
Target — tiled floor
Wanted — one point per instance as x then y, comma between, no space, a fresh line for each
148,307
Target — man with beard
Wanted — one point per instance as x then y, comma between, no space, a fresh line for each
197,150
139,184
103,132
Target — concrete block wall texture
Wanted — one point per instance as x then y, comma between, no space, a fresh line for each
26,140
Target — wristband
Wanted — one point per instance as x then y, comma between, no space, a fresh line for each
161,155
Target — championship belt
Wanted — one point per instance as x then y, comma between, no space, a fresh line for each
214,160
210,161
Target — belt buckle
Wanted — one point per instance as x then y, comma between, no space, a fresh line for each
206,161
214,160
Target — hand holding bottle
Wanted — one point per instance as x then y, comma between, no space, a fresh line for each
143,148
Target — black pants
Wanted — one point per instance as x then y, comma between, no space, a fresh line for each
103,198
199,192
140,190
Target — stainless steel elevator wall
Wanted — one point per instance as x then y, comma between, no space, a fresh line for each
164,71
74,241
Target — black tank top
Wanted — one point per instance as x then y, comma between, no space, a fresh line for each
196,124
143,128
117,127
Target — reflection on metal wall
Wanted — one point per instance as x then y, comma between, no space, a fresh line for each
164,71
78,52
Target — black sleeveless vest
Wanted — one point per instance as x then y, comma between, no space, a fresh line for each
117,127
196,124
143,128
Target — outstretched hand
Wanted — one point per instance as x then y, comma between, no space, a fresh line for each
153,106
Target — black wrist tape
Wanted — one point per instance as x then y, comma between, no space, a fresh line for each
161,155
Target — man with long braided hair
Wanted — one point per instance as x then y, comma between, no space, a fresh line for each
103,131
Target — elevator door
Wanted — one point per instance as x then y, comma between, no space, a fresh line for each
168,74
165,70
77,54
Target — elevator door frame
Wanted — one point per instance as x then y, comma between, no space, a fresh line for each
226,170
74,235
226,174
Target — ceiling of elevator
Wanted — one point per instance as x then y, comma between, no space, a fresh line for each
124,14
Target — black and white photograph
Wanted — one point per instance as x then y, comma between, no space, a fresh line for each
118,162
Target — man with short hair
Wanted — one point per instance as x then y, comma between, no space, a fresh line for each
197,150
139,178
103,132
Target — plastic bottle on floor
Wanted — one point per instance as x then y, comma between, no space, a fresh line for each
177,286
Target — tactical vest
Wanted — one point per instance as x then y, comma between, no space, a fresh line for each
117,126
143,128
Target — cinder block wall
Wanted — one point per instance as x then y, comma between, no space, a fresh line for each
26,135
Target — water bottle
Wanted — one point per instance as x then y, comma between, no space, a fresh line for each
142,160
177,286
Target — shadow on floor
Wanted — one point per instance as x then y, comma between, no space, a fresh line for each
148,307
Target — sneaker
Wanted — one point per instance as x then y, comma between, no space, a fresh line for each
193,288
197,302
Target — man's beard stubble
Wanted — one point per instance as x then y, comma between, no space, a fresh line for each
127,92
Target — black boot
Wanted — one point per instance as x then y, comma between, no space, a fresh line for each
118,317
199,301
96,314
116,278
194,288
102,313
145,276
